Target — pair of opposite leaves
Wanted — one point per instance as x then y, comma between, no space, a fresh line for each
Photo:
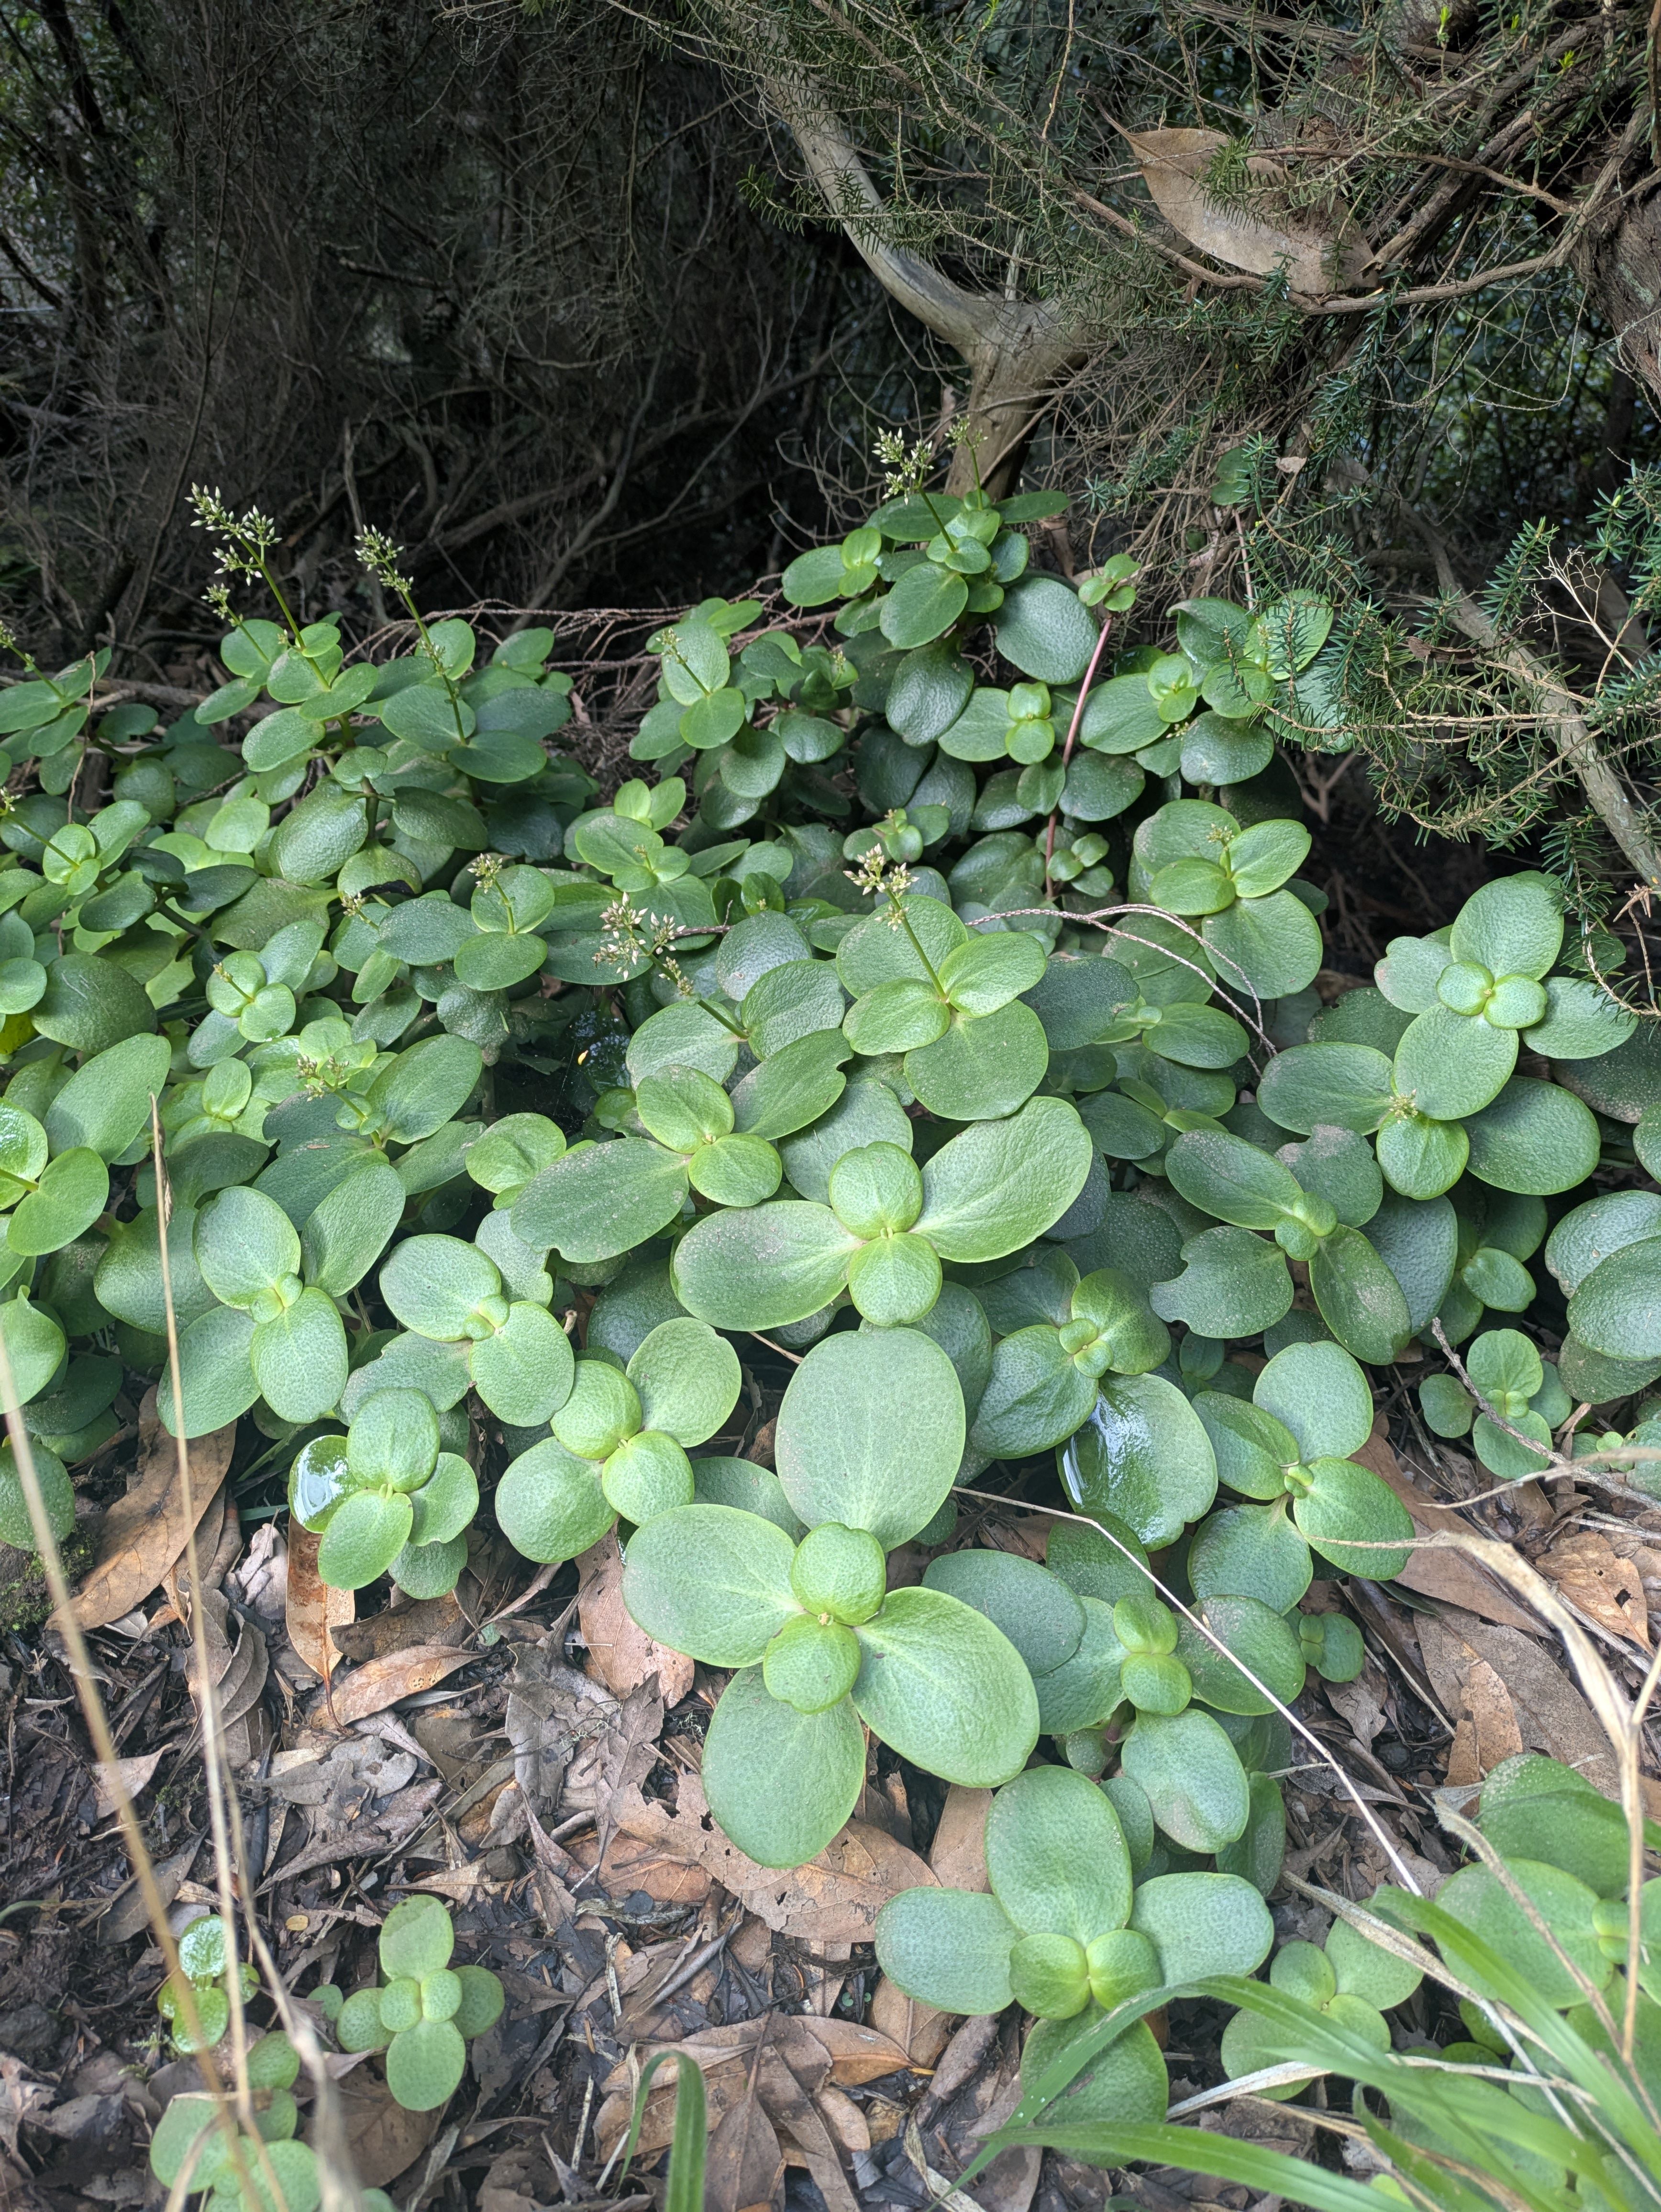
869,1436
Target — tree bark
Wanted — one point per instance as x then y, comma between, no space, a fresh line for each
1620,266
1014,349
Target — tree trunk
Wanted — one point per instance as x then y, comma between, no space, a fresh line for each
1620,266
1012,372
1014,349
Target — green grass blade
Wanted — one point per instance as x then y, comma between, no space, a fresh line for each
688,2148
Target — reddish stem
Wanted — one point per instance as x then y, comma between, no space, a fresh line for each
1072,734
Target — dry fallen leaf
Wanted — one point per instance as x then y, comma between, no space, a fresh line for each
430,1620
131,1775
834,1899
384,2137
1319,257
381,1682
745,2164
1607,1588
311,1609
956,1858
1451,1577
1486,1733
144,1533
621,1654
18,2096
1552,1716
797,2063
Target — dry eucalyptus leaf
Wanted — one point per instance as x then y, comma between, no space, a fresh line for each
312,1610
384,2137
144,1533
834,1899
381,1682
1486,1733
1607,1588
1318,258
745,2164
1552,1716
1450,1576
430,1620
623,1654
126,1775
552,1709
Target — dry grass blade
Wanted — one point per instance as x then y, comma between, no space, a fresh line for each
339,2184
98,1727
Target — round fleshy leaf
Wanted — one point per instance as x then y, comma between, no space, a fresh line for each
763,1267
1253,1449
351,1226
1272,945
215,1372
811,1664
1055,1856
1418,1241
602,1199
548,1504
1344,1086
1143,1457
1193,1777
1534,1808
425,2064
983,1068
1232,1283
894,1280
1203,1923
1452,1065
945,1689
1319,1394
1421,1158
871,1433
1475,1898
1260,1639
995,1187
482,2000
430,1570
1251,1550
1035,1398
416,1938
446,1503
506,1155
434,1285
1036,1610
645,1475
947,1948
1348,1508
1360,1300
601,1409
1365,1969
524,1371
300,1359
56,1495
780,1782
245,1243
1536,1139
710,1581
1128,2083
688,1380
74,1190
1084,1690
1512,927
393,1440
365,1532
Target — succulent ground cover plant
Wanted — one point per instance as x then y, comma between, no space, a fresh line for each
959,1047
